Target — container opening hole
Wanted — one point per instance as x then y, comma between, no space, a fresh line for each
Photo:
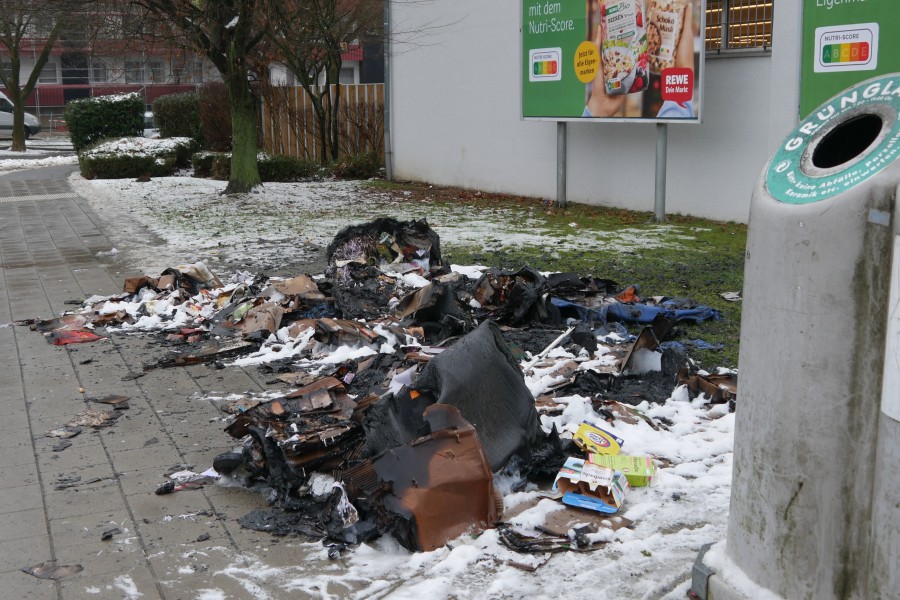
847,141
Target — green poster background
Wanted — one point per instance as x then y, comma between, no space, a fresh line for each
543,27
816,88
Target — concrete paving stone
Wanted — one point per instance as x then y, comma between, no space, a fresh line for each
24,552
153,508
20,498
53,376
279,552
81,454
99,470
193,424
118,441
138,582
184,572
16,448
157,455
103,376
9,402
177,532
10,382
55,371
22,524
233,378
235,502
89,529
18,475
206,448
16,584
84,500
134,423
13,420
100,558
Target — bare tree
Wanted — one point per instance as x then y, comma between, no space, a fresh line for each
228,33
309,36
29,25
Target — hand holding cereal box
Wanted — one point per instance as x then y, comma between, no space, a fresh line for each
623,46
666,20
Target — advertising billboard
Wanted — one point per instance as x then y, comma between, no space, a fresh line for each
845,43
612,60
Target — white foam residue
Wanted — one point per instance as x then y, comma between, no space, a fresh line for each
210,594
345,353
126,584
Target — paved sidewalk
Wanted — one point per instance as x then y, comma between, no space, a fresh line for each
49,242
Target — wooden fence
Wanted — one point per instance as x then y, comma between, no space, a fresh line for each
289,126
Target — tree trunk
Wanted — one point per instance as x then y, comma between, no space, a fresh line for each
321,127
18,132
244,168
335,122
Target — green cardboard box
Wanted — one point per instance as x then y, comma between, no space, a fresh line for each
638,470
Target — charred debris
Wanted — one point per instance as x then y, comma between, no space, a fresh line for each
407,434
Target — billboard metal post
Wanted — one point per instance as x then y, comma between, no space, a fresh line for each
561,138
662,151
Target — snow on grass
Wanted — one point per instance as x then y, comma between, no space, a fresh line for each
280,224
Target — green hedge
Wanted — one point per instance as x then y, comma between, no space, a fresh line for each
93,119
358,166
202,162
128,158
217,165
178,115
285,168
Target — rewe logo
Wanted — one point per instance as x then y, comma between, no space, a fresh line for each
678,85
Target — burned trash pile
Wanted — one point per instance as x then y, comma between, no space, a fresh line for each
419,387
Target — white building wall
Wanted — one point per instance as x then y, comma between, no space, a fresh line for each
456,103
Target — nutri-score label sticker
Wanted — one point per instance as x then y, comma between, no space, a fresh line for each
786,182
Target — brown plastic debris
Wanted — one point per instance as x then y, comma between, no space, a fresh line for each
717,388
133,284
114,400
50,570
302,286
265,317
416,489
